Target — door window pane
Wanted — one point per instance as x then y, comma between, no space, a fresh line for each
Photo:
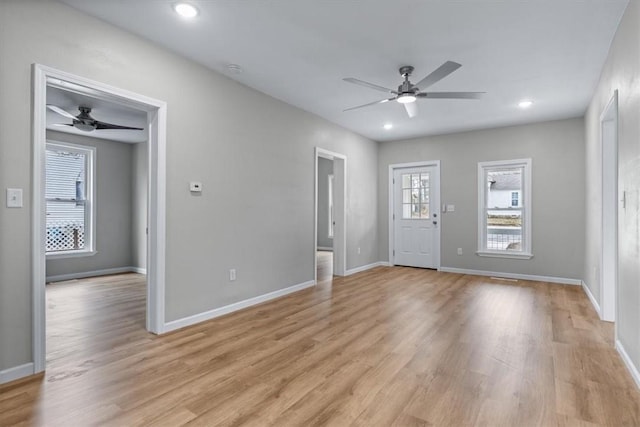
415,196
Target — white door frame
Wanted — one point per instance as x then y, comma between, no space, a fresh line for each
339,213
44,76
392,168
609,247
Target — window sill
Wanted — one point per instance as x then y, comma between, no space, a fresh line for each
517,255
69,254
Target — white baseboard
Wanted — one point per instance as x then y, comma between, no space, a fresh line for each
593,300
550,279
139,270
628,362
16,373
95,273
217,312
325,248
364,268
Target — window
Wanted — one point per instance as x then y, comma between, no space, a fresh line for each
504,214
330,191
415,195
69,200
514,198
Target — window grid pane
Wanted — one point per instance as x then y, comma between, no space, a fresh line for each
415,196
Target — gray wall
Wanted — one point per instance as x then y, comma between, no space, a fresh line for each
251,216
139,194
112,204
325,168
557,152
621,72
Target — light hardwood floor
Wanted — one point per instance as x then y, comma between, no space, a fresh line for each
389,346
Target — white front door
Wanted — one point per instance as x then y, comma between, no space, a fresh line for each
416,216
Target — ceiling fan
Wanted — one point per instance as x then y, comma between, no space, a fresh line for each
85,122
408,93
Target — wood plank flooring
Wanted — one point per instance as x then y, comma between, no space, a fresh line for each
392,346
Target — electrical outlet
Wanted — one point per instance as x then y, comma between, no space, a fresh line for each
358,250
232,274
459,251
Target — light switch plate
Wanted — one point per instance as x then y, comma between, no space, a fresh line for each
451,208
195,187
14,197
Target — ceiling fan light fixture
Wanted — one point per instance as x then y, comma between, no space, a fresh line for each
388,126
84,127
185,10
406,98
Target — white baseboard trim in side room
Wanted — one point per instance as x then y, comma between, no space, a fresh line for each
365,268
628,362
217,312
95,273
549,279
595,304
16,373
324,248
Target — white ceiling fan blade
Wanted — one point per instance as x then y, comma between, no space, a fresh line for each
371,103
369,85
440,73
451,95
60,111
412,109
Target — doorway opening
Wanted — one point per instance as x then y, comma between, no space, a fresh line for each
77,237
609,248
330,215
414,214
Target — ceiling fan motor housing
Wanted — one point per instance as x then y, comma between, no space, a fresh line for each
406,87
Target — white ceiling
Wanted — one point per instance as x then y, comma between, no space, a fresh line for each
550,51
101,110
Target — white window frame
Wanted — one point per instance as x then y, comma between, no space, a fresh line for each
525,206
89,203
330,195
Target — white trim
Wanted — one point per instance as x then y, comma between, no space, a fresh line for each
550,279
138,270
70,254
42,77
15,373
217,312
94,273
628,362
514,255
393,166
609,213
593,300
341,216
526,209
365,267
325,248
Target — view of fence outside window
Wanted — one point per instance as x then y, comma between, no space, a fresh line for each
67,205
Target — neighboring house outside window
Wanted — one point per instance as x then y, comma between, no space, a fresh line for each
504,214
70,213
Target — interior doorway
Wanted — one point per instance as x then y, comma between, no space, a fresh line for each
47,79
330,214
609,269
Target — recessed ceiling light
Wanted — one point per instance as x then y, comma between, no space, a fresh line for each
234,68
185,10
388,126
525,103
